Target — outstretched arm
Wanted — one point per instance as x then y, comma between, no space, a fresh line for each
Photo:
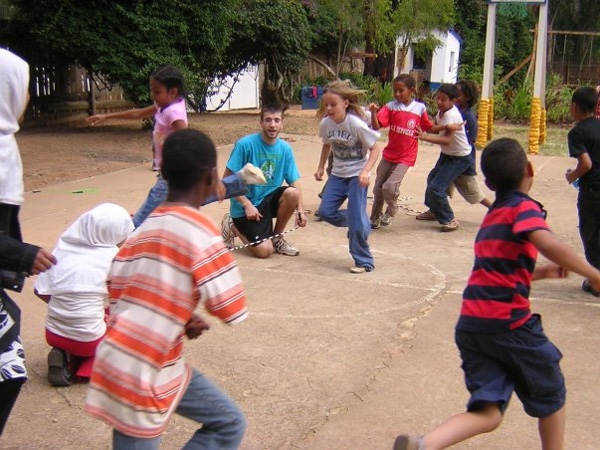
563,256
131,114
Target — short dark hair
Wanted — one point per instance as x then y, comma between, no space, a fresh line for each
169,76
503,163
469,88
407,79
188,155
586,99
271,109
449,90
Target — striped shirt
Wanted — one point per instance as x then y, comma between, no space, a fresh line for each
174,260
496,298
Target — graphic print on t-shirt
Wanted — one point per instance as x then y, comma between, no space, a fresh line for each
347,153
268,168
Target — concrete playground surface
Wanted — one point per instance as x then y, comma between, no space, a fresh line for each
329,359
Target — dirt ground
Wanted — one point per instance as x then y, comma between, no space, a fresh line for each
57,154
327,360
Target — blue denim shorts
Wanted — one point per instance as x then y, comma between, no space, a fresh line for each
521,360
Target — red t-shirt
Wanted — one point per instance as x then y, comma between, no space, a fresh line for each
402,144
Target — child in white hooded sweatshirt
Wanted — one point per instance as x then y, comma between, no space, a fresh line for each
75,290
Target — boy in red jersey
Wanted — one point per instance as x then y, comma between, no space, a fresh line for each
174,261
502,344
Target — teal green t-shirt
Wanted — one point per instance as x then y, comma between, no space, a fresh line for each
276,161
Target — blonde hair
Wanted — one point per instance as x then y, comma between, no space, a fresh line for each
345,90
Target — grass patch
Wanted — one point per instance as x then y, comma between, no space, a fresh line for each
556,138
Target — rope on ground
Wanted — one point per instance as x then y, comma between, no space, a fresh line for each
275,236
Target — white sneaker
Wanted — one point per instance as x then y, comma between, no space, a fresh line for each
359,269
226,231
283,247
252,174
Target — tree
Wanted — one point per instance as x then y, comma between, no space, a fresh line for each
277,33
337,27
409,21
126,41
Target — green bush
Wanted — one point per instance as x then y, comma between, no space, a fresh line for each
558,100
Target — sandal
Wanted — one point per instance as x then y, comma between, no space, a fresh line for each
450,226
427,215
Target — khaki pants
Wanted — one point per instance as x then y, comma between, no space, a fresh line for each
387,187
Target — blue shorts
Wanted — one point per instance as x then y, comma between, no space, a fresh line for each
521,360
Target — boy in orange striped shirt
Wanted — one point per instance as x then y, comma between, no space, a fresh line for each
175,260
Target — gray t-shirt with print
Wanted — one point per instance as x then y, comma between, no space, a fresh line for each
350,142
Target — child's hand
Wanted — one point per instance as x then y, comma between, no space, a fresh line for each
363,179
93,120
419,133
554,271
195,327
455,126
43,261
569,176
373,108
319,174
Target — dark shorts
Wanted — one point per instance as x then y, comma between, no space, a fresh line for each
263,229
522,360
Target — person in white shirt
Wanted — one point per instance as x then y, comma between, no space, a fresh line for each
75,290
454,159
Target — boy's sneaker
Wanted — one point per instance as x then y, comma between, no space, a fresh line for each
386,219
376,223
450,226
404,442
427,215
283,247
359,269
58,368
252,174
226,231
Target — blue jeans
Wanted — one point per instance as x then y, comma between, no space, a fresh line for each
355,217
446,170
234,187
223,422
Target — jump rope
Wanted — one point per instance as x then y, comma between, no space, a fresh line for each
283,233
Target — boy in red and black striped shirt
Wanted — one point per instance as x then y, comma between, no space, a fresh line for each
502,344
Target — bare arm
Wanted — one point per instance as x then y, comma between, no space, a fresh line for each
178,125
584,165
440,140
563,256
301,215
322,160
131,114
374,120
251,211
363,178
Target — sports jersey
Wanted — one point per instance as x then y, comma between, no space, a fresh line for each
402,120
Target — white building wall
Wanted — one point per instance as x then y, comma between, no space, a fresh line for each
443,65
245,95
